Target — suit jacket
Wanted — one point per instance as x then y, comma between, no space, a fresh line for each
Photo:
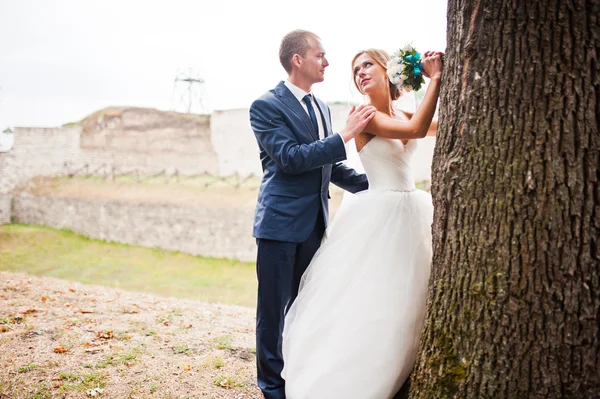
297,166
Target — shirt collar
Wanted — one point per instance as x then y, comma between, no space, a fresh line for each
296,91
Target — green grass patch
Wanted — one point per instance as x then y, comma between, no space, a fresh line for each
26,369
80,382
223,342
63,254
228,382
153,387
119,359
182,349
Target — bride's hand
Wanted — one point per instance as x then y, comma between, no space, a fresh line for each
426,54
432,64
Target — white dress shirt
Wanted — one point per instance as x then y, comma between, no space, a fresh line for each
299,94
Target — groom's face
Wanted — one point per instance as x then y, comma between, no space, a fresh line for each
314,64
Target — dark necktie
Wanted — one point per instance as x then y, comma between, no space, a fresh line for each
311,111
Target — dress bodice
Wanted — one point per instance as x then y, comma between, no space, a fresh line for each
387,163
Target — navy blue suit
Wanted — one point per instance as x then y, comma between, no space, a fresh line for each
291,212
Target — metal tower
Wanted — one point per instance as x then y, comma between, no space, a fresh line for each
188,92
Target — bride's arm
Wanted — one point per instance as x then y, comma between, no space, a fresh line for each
417,127
432,131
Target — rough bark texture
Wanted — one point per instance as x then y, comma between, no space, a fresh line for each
514,302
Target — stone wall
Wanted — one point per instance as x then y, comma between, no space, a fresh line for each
5,209
152,141
234,141
184,146
148,140
37,152
215,232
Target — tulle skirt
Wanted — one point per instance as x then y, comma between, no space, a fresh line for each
353,331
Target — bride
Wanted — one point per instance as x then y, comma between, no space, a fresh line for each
353,331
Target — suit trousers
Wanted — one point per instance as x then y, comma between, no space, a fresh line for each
280,266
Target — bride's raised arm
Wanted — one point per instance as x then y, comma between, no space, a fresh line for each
418,126
432,131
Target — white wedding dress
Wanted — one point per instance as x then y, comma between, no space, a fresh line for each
353,331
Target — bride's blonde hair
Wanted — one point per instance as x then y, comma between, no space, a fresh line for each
381,57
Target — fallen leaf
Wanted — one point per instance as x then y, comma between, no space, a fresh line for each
105,334
85,311
68,305
28,311
187,367
72,290
60,349
44,299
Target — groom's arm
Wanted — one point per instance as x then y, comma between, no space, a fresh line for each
280,143
347,178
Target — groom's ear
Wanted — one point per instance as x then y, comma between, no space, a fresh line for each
296,60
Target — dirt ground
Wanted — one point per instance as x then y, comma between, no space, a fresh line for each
205,191
63,339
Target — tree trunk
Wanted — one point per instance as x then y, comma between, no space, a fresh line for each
514,302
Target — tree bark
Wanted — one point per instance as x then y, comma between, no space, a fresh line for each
514,302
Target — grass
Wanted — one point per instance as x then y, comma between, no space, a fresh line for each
225,381
26,369
182,349
119,359
223,342
218,363
74,381
63,254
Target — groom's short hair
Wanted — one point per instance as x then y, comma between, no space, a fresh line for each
295,42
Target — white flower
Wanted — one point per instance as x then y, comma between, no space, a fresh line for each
390,65
408,48
398,68
394,70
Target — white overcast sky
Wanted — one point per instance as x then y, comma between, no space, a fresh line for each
64,59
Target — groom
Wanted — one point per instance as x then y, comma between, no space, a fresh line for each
300,155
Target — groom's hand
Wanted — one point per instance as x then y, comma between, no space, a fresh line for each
357,120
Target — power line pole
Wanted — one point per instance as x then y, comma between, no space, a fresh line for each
188,92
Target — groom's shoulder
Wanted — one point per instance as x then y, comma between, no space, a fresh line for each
268,98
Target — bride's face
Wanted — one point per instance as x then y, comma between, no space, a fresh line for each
369,76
